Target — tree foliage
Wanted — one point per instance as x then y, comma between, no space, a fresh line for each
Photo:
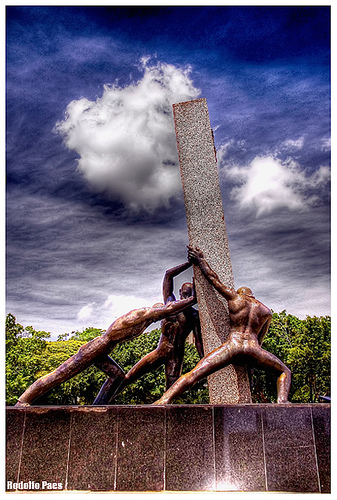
303,345
24,357
83,388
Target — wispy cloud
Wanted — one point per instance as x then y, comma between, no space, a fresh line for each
294,144
81,268
125,139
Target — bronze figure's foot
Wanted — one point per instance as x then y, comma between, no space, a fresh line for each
159,402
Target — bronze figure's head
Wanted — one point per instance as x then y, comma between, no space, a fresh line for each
244,290
186,290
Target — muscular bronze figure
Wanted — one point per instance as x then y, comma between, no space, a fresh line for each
249,323
170,349
96,351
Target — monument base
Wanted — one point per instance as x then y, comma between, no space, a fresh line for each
247,447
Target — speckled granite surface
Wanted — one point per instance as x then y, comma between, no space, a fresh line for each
240,447
207,230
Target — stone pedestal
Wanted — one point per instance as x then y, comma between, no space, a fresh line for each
279,448
207,230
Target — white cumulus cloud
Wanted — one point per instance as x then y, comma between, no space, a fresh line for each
268,184
86,312
115,306
125,139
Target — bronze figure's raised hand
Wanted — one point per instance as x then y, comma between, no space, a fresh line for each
194,254
249,323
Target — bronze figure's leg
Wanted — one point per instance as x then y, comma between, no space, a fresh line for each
267,361
173,369
150,362
219,358
110,386
170,380
74,365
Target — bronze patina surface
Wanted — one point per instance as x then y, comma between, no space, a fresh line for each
96,351
170,349
249,323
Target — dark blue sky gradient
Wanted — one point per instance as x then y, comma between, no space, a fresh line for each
265,72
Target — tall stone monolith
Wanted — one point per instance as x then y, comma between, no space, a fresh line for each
207,230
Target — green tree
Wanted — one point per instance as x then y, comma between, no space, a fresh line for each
151,386
87,334
80,389
310,360
24,349
304,346
83,388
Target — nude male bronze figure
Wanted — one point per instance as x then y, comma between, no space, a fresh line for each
170,349
249,323
96,351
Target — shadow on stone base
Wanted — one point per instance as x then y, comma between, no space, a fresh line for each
248,447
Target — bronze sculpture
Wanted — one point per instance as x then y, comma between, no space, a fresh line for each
249,323
96,351
170,349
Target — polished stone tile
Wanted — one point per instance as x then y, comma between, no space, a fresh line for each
92,457
239,454
289,449
124,448
45,447
189,448
321,419
14,433
140,456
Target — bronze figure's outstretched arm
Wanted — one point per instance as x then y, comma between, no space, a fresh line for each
168,284
96,351
172,308
196,256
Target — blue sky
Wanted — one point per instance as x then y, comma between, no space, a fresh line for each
95,213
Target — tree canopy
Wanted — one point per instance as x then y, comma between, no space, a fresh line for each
303,345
